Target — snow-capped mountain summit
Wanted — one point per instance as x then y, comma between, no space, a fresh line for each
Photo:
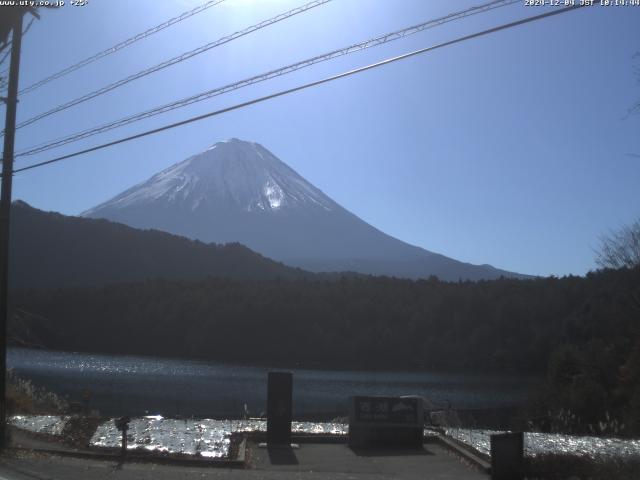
238,191
241,175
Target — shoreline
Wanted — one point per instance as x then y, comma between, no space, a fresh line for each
329,367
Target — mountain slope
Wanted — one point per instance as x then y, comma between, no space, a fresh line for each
238,191
52,250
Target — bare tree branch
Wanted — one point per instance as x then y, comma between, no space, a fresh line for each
621,248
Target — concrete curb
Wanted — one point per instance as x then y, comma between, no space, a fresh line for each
242,452
465,452
238,462
303,437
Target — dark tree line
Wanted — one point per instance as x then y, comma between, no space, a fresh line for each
371,322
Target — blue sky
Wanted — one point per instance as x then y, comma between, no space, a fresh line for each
514,149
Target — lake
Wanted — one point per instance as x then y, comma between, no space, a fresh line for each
136,385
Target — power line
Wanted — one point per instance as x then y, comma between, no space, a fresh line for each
304,86
388,37
121,45
4,57
28,26
173,61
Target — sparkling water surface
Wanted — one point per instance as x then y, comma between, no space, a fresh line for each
210,438
206,437
543,443
49,424
137,386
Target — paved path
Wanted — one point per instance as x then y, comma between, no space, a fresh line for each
309,462
339,461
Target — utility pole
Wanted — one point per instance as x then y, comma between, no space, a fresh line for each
5,212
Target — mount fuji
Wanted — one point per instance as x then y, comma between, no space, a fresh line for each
238,191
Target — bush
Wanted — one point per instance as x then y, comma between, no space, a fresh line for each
25,397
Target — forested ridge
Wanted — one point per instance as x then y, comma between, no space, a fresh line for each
50,250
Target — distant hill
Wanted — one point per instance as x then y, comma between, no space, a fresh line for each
50,250
238,191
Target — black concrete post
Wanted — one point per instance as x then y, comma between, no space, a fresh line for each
506,456
122,424
279,408
124,441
